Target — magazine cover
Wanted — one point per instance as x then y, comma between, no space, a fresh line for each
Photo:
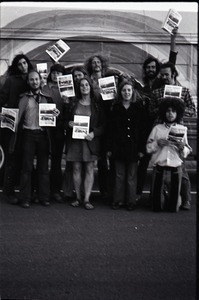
172,20
172,91
176,133
81,127
66,85
57,50
43,70
9,118
47,114
108,87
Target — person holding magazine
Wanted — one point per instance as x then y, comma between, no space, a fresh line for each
14,85
168,151
83,150
78,72
152,81
126,143
35,140
57,133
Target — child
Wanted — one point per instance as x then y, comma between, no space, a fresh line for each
167,154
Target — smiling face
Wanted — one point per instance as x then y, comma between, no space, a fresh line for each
34,81
23,66
84,87
127,92
151,70
96,65
171,115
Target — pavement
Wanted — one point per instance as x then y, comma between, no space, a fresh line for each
66,253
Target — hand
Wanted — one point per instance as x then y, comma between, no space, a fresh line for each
108,154
175,30
89,136
140,154
71,124
65,99
56,112
180,145
162,142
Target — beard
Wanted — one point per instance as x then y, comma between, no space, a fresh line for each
151,75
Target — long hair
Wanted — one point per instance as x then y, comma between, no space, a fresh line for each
13,69
104,62
79,69
93,95
136,97
174,103
148,61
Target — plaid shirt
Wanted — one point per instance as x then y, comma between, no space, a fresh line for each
190,109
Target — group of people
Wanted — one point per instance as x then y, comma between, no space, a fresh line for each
125,134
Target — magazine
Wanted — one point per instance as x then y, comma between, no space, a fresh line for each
172,20
9,118
43,70
66,85
57,50
80,127
176,133
108,87
47,114
172,91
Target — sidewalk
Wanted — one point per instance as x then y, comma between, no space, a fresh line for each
66,253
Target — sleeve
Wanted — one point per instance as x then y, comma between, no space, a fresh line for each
190,109
187,149
151,145
173,57
4,92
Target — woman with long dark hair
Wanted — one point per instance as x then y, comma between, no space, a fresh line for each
84,152
14,86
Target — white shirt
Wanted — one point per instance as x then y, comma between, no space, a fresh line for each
166,155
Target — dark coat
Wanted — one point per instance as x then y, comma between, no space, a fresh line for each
11,90
97,125
127,132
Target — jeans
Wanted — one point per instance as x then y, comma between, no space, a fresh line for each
35,143
125,182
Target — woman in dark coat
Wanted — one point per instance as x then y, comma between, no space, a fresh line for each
126,143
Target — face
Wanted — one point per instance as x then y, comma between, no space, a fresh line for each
34,81
127,92
96,64
54,75
166,75
151,70
85,87
171,115
78,75
23,66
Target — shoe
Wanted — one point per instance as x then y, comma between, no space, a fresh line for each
131,206
58,198
45,203
25,204
76,203
186,205
117,205
88,205
12,199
